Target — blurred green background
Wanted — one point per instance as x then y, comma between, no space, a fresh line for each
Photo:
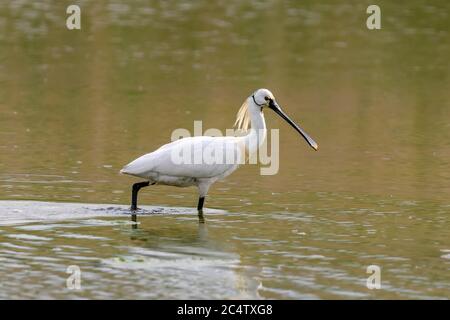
82,103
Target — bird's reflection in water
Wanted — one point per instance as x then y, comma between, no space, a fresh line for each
201,218
202,229
182,242
134,221
201,222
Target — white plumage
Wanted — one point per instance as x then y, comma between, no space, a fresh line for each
200,161
158,166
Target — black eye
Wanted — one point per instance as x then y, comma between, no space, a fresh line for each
266,98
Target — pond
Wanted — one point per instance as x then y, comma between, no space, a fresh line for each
77,105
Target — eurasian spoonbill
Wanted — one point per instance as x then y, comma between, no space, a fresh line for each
159,167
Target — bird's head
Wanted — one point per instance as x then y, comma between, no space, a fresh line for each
264,98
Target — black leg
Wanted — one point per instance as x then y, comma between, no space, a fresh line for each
134,193
201,200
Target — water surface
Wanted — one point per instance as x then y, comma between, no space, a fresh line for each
78,105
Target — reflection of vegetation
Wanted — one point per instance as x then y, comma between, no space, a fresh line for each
376,100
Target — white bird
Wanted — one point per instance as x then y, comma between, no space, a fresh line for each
183,162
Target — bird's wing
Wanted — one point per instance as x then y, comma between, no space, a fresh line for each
197,157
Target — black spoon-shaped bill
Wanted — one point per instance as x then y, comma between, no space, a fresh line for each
275,107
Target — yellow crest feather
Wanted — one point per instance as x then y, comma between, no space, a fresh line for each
243,117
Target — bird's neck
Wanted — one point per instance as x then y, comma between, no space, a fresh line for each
258,132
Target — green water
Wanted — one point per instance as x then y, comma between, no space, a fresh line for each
77,105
